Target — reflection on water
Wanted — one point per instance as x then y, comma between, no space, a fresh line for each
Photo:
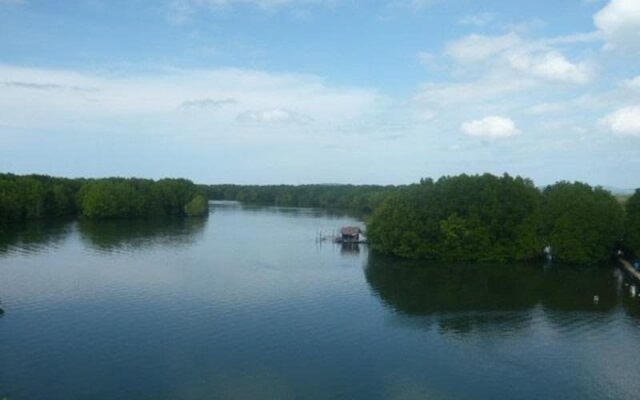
110,236
350,249
106,236
247,304
462,297
425,288
33,236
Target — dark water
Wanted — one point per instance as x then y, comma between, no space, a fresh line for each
247,305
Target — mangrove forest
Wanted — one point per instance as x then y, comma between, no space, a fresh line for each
33,197
473,218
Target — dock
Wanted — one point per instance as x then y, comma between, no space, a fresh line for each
626,265
340,240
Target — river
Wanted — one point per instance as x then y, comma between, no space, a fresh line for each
248,305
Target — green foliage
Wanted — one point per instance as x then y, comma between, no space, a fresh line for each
174,194
581,223
114,199
359,199
35,197
197,207
632,221
135,198
489,218
461,218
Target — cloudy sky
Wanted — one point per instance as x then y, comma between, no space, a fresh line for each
311,91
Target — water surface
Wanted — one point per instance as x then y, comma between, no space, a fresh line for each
247,305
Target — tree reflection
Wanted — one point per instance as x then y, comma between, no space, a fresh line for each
483,296
349,249
33,236
117,235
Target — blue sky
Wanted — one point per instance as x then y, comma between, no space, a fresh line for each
309,91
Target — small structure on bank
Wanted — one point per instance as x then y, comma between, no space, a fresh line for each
349,234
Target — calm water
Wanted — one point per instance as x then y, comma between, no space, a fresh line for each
247,305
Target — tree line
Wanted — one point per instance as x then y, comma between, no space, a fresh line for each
30,197
358,199
488,218
459,218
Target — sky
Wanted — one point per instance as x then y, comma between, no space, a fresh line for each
310,91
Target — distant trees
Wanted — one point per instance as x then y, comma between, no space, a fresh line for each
37,196
489,218
632,221
360,199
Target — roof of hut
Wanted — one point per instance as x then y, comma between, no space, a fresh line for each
350,230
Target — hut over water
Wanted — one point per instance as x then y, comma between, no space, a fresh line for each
350,233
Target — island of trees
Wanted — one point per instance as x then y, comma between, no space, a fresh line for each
478,218
489,218
36,197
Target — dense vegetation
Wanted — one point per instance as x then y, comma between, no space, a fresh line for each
461,218
581,223
489,218
632,222
198,206
36,197
360,199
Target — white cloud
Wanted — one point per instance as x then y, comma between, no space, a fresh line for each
619,21
585,103
634,83
476,48
43,97
446,94
425,115
492,127
182,10
273,116
546,108
207,103
538,59
574,38
45,86
551,66
478,20
625,121
415,5
228,3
